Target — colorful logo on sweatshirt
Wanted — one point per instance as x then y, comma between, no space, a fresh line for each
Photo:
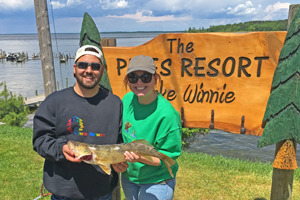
127,126
127,129
76,127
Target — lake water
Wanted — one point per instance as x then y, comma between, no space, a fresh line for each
26,77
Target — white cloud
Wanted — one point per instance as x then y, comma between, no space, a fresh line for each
244,9
175,5
16,4
57,5
69,3
73,2
115,4
277,6
146,16
276,10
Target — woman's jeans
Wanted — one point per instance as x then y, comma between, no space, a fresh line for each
106,197
153,191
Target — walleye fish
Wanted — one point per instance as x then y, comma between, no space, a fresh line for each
105,155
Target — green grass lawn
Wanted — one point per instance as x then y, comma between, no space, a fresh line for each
200,176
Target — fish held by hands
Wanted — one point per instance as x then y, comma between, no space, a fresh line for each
105,155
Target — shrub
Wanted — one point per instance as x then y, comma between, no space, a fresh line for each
13,111
189,134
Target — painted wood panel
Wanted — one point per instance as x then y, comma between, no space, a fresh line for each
230,73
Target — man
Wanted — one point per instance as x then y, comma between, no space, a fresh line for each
85,113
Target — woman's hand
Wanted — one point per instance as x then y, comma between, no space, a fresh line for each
131,157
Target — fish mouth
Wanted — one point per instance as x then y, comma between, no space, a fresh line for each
87,157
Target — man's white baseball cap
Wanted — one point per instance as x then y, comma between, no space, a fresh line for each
90,50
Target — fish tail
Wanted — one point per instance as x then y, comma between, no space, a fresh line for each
168,162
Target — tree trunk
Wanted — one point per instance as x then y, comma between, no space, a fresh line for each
43,29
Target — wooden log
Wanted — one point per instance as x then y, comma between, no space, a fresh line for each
108,42
292,12
282,189
282,180
45,44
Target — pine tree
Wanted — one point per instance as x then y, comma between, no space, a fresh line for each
282,116
90,35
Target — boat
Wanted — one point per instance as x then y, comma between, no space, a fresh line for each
20,59
63,60
35,57
2,54
11,56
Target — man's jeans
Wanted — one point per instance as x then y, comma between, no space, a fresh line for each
106,197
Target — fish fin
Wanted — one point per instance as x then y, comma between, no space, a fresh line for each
142,141
169,169
106,168
167,159
168,162
149,158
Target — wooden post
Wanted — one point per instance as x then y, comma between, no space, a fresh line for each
111,42
282,180
292,12
108,42
46,55
116,194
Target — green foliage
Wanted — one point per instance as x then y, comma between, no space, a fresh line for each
21,168
279,25
200,176
13,111
281,118
188,135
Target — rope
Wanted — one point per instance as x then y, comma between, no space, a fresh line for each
56,44
42,192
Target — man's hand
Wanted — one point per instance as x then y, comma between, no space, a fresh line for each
120,167
69,154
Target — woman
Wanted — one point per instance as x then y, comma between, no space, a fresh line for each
148,115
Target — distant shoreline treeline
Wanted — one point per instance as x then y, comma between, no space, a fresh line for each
279,25
117,32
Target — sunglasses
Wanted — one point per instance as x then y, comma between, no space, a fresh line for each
84,65
145,78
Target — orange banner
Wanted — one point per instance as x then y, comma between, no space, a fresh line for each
230,73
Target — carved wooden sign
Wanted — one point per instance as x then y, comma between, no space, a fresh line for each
200,72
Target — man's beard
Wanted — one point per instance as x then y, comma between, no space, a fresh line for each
81,83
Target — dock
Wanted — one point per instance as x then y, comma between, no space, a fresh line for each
34,101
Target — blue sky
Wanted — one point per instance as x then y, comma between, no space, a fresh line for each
18,16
